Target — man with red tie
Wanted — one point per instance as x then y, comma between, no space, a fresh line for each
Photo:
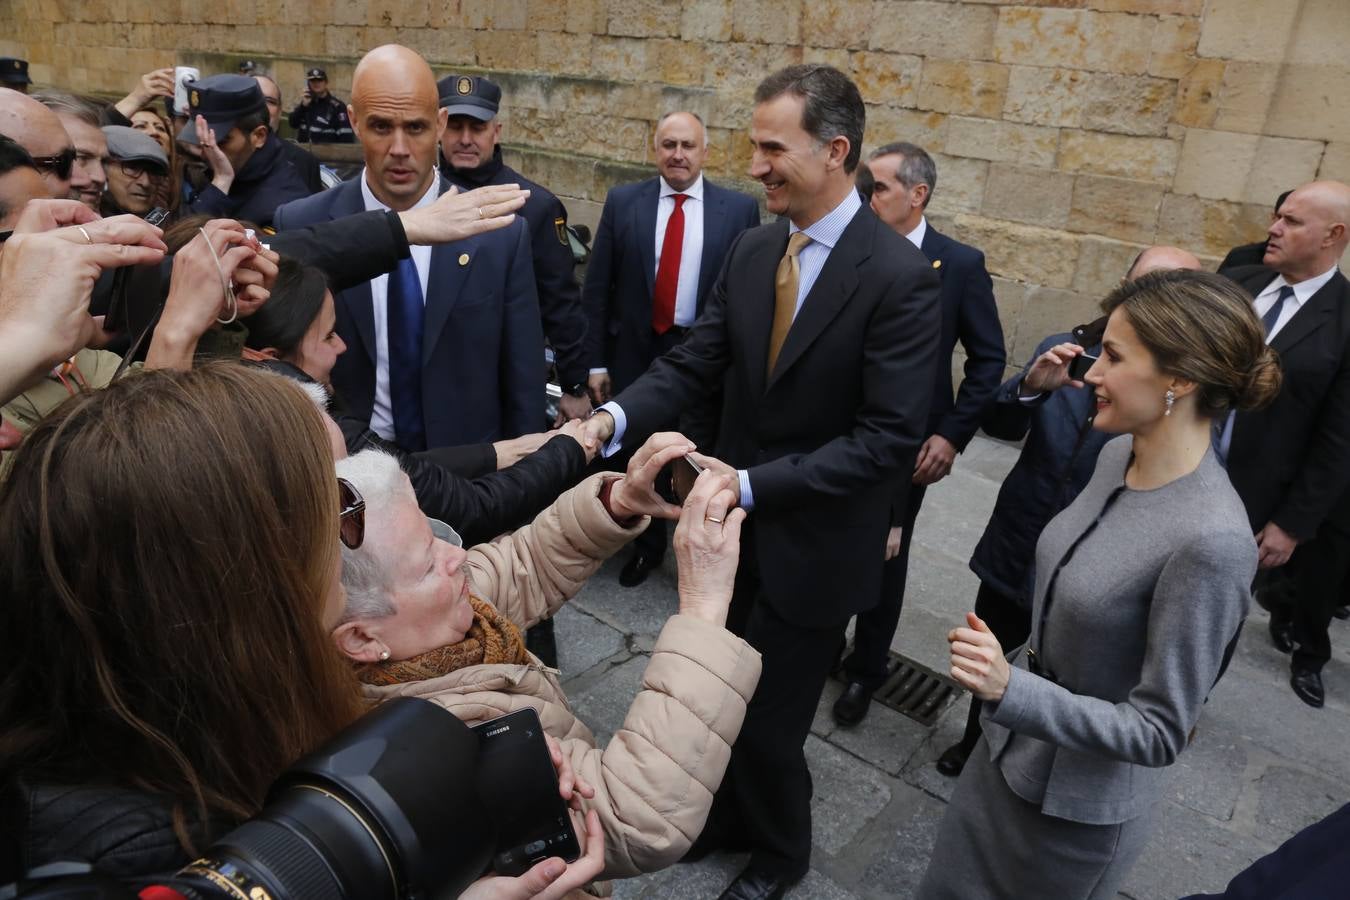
657,251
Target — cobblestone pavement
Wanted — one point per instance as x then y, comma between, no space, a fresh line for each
1262,766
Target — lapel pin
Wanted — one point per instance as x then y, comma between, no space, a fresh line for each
937,263
464,259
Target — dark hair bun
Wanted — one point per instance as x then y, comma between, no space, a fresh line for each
1262,382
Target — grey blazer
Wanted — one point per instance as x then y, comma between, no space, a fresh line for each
1142,612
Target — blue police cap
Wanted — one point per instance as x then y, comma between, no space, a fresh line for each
470,95
222,100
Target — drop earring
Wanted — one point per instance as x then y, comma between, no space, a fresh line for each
1169,398
384,656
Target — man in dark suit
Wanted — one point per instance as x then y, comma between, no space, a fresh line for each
447,349
650,271
1290,462
904,178
823,329
471,157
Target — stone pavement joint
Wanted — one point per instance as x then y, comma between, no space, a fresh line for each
1262,766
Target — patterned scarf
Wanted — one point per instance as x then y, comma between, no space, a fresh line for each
492,639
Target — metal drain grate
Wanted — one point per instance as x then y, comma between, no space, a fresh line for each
914,690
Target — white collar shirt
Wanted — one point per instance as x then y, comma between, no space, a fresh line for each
1303,292
916,236
691,250
382,413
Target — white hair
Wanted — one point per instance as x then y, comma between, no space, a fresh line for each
379,479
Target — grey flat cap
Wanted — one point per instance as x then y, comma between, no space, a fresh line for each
129,144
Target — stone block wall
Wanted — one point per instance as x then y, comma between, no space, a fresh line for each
1068,133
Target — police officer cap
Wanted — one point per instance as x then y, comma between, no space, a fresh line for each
222,100
128,145
316,74
14,71
470,95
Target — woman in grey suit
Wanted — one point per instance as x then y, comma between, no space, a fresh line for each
1141,585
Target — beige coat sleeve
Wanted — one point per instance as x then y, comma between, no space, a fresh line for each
531,572
654,782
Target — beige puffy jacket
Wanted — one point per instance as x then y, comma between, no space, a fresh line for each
655,780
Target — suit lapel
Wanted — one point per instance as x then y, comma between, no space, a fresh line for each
1309,317
714,224
445,281
644,230
756,302
833,287
349,201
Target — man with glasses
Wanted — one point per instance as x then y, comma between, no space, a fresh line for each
20,182
38,130
135,160
80,118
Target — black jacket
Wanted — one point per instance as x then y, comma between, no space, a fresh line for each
323,121
559,295
119,832
1056,463
269,179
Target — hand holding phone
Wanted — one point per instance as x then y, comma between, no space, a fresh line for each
683,473
1079,365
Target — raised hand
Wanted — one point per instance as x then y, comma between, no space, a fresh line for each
455,216
708,548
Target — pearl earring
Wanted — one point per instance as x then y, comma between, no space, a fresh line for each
1169,398
384,655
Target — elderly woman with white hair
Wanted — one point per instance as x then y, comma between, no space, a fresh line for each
427,618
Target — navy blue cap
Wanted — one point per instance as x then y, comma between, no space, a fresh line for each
14,71
470,95
222,100
316,74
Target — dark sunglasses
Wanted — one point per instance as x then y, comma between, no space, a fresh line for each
58,165
352,518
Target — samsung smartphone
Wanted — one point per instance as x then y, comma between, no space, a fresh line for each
683,473
1079,365
520,787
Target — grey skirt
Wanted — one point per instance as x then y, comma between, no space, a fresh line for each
993,845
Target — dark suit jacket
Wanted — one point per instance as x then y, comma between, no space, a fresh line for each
969,315
621,274
482,349
844,410
1290,462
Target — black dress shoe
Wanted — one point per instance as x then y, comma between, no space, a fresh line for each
1341,612
953,759
757,884
1307,684
1282,635
636,570
851,707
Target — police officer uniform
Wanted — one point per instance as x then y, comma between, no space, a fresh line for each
268,179
324,120
559,295
14,74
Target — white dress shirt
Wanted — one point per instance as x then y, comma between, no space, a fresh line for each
916,236
1303,292
382,413
691,250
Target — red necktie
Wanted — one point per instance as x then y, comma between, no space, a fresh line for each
668,270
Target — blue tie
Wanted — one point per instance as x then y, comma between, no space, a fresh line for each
405,314
1273,314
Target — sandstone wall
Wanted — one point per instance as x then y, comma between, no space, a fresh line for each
1068,133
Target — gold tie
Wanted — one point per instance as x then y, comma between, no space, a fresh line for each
785,296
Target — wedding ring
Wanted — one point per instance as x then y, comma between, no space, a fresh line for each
480,212
87,238
712,519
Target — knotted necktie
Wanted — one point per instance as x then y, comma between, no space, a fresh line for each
406,311
1273,314
785,296
668,269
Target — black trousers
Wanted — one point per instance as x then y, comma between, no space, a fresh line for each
764,803
876,627
1011,624
1313,582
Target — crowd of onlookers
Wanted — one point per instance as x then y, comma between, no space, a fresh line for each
279,447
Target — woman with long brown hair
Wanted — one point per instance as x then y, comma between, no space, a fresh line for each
169,571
